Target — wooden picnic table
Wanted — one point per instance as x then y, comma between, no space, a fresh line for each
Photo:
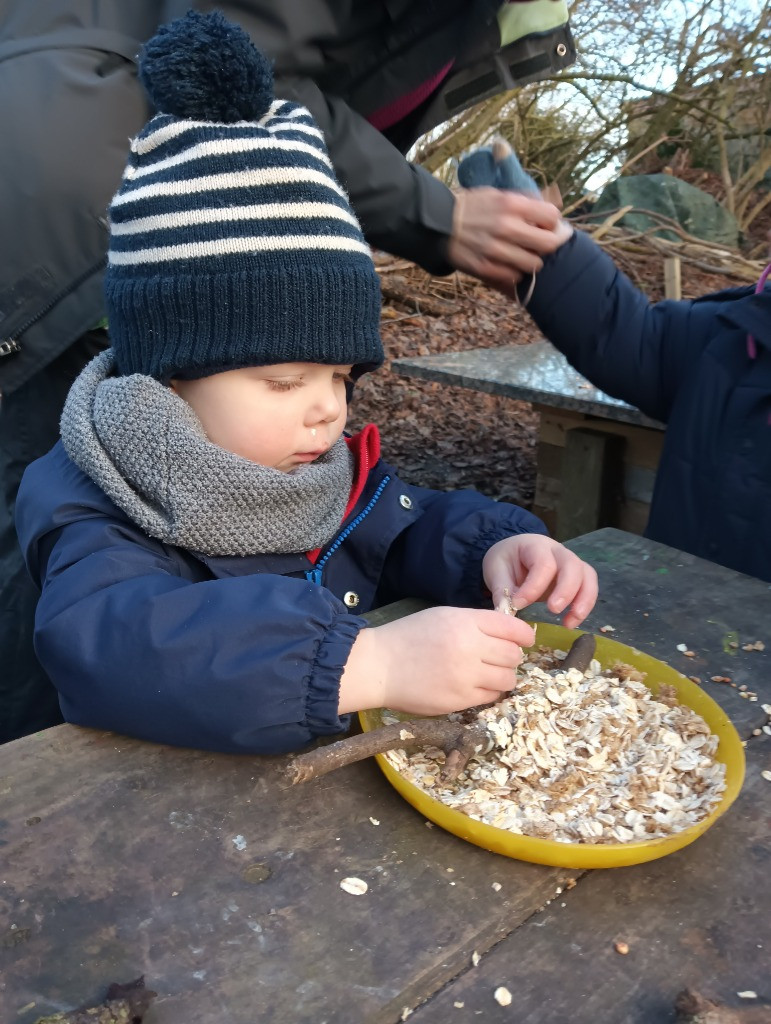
597,456
220,884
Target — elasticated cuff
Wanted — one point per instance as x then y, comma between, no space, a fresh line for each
323,697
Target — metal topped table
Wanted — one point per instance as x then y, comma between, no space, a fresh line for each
597,456
536,373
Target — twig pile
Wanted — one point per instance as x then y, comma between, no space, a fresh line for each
707,256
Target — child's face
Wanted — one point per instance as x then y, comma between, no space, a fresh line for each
282,416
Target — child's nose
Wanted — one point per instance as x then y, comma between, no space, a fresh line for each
330,403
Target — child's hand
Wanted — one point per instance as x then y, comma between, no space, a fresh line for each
535,568
435,661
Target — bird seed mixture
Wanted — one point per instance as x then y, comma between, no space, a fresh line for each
580,757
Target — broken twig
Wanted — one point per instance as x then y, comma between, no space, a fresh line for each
580,654
458,740
452,737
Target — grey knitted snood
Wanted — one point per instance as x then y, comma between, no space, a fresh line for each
147,450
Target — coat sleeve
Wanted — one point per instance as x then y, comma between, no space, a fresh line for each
402,208
439,557
249,664
610,332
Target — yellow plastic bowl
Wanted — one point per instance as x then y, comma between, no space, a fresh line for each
588,855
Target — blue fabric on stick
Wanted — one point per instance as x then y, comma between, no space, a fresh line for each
480,168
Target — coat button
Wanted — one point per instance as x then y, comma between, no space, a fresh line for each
351,599
405,501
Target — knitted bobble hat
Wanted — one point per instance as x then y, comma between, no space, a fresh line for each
231,241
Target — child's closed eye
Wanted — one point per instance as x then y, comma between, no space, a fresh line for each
285,385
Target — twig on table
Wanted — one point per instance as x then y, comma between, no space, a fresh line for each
452,737
458,740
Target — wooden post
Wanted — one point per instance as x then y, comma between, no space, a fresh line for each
672,286
592,482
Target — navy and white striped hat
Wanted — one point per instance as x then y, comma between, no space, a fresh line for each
232,242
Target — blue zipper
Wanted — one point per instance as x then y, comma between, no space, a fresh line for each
314,575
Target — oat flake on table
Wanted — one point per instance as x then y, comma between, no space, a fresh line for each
581,757
354,886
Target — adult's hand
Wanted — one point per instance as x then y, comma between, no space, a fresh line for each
500,236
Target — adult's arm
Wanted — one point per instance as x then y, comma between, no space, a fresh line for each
611,333
402,208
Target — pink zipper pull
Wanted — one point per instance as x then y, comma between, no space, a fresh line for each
752,348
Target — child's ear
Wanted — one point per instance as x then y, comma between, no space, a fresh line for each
172,385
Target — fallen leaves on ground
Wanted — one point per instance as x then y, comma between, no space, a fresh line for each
451,437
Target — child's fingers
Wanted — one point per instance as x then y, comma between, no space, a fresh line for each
570,577
502,595
485,696
502,654
535,584
508,630
584,600
551,573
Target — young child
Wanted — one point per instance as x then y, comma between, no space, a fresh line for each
702,366
204,535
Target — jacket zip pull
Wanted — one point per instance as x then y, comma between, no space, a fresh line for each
313,576
8,346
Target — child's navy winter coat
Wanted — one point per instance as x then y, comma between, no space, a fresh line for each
232,654
687,364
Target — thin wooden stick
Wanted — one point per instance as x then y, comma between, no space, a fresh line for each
458,741
417,732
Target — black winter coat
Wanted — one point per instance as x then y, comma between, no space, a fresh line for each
71,101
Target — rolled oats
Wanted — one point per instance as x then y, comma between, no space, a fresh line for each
354,886
581,757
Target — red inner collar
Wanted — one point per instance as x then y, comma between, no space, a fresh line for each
365,448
